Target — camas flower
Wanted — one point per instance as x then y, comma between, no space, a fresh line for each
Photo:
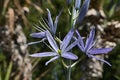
79,13
83,10
77,4
89,49
53,27
50,26
62,51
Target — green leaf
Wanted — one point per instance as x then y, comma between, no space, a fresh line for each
8,71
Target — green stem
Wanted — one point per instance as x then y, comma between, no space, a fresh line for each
72,26
62,66
72,21
69,71
9,71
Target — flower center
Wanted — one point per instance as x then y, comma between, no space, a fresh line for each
59,52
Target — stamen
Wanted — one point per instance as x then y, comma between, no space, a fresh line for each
59,52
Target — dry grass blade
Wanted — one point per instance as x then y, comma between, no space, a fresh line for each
11,19
35,6
5,6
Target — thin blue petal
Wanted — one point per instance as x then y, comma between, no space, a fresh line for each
100,51
31,43
90,40
81,40
69,55
77,4
50,21
44,54
52,41
56,21
83,11
55,25
67,40
81,48
72,45
51,60
38,35
100,60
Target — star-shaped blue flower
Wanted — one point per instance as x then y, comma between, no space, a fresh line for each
62,51
78,12
89,49
83,10
51,27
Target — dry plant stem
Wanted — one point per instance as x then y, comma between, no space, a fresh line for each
43,74
21,12
11,19
5,6
35,6
13,45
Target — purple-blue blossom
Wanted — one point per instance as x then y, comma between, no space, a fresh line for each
88,47
77,4
52,27
78,12
49,27
62,51
83,10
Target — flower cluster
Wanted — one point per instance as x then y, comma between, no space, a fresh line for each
63,51
63,48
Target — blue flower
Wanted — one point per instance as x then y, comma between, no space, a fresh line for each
83,10
50,26
78,13
62,51
77,4
89,49
53,27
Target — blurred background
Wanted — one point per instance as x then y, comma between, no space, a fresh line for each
17,18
